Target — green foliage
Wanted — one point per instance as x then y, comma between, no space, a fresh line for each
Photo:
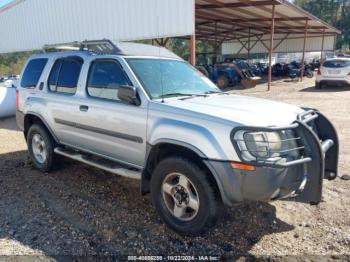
335,12
12,64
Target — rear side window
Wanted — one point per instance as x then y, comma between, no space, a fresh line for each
105,77
32,73
336,64
65,74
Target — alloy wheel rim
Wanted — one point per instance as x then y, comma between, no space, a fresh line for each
39,148
180,196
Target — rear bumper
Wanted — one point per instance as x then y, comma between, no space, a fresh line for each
333,82
20,119
301,178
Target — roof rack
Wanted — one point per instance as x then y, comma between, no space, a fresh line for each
102,47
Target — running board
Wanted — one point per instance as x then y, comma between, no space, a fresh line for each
98,162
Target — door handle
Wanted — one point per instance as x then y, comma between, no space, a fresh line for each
84,108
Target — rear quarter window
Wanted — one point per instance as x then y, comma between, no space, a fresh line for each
336,64
32,72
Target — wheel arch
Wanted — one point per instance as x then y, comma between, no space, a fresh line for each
166,148
33,118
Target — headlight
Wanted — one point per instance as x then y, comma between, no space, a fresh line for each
267,145
263,144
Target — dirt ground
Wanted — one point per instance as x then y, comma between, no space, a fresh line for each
80,212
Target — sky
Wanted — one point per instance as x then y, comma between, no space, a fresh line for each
4,2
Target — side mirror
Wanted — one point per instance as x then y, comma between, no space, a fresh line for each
129,94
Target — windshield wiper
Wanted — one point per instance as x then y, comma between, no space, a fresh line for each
174,94
212,92
216,92
181,94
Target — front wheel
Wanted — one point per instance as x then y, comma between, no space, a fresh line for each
222,82
183,196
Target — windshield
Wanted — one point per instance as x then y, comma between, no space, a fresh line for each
164,78
336,63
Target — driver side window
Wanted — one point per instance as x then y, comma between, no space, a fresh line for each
105,78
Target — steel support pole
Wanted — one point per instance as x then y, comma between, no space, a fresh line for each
303,57
322,46
193,37
271,47
216,41
249,45
193,49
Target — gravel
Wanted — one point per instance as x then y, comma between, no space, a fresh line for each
79,211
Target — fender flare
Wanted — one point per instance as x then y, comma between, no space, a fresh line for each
43,121
177,143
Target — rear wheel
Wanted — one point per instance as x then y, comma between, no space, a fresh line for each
40,147
222,82
183,196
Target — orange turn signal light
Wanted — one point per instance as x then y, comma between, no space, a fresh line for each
241,166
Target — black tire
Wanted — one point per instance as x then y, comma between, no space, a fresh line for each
292,75
210,204
49,143
222,82
309,74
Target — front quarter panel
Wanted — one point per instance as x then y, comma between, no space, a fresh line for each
209,139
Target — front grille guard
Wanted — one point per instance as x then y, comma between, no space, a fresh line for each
304,123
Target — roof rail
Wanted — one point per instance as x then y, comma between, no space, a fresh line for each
103,46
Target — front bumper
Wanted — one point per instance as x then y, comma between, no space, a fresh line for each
301,178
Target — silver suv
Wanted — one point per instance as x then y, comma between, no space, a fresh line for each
142,112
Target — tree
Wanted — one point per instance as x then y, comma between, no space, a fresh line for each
334,12
12,64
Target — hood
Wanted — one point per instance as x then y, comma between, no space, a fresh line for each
241,109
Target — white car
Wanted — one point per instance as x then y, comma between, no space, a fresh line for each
334,72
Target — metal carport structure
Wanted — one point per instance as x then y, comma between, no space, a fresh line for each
247,25
264,25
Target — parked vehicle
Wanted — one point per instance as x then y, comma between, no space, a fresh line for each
224,75
257,69
263,68
245,68
334,72
315,64
7,101
293,70
278,70
156,119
